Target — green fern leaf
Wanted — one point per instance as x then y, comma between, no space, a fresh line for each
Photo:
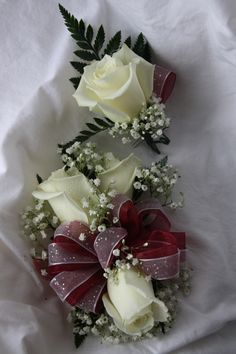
114,44
101,122
70,21
128,41
89,33
78,66
100,39
93,127
139,45
147,52
163,161
85,55
84,45
78,339
39,179
142,48
82,27
75,81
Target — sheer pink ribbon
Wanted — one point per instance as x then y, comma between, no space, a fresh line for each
77,257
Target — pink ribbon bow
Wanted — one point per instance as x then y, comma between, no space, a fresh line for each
78,257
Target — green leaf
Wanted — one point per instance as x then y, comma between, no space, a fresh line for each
139,45
81,27
147,52
84,45
39,179
109,121
163,161
136,194
79,33
151,143
142,48
93,127
78,339
164,140
86,132
85,55
114,44
128,41
70,21
101,122
75,81
100,39
78,66
89,33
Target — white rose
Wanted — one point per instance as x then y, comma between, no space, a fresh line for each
120,175
131,302
116,86
65,193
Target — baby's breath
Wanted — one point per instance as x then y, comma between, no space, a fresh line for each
151,121
39,223
83,158
159,180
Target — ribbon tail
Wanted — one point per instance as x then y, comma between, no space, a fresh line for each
72,286
92,301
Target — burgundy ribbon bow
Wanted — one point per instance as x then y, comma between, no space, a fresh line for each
164,82
77,256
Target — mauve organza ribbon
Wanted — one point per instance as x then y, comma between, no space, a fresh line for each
77,257
164,82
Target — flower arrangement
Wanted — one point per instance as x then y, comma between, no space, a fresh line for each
97,226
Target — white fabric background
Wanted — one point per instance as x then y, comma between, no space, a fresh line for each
197,39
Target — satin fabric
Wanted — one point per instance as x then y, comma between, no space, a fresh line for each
196,39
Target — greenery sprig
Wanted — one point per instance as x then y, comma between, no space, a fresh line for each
92,47
100,126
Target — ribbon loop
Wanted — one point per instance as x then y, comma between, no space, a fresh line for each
106,242
164,82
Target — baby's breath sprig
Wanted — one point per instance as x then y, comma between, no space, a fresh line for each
99,209
39,223
83,158
83,323
159,181
149,125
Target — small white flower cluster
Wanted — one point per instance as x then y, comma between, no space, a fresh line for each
82,157
39,222
185,279
124,260
99,212
159,180
151,121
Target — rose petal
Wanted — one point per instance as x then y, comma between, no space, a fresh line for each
121,176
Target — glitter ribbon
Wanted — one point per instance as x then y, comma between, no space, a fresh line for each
77,256
164,82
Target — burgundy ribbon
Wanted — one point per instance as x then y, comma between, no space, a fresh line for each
77,257
164,82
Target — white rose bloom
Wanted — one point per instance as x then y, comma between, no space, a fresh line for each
68,195
65,194
131,302
116,86
120,176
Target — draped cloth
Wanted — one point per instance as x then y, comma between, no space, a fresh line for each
197,41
